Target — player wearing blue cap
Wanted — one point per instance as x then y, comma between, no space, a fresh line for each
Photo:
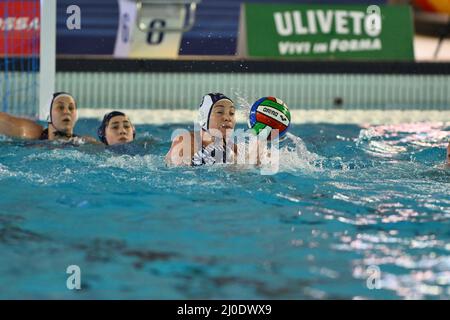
115,129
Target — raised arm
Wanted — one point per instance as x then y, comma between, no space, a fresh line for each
19,127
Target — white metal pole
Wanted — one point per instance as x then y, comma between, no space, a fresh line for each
47,65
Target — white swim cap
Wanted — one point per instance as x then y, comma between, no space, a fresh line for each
52,99
206,106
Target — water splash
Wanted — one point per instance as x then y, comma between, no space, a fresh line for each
243,104
332,211
5,138
295,156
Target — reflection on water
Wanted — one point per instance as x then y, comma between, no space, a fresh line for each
348,202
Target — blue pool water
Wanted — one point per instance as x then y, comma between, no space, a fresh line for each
347,200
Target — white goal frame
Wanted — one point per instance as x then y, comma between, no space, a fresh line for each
47,55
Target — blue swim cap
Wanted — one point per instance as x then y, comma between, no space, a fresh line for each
101,131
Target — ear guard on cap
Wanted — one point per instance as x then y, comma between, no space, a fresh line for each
206,106
52,99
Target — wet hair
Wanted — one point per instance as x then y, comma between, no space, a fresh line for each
101,131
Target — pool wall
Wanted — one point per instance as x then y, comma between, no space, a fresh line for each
179,84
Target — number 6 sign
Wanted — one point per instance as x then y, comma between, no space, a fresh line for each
152,28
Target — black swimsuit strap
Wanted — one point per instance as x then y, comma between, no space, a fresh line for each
64,135
44,135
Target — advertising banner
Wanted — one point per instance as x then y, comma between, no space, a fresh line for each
19,28
329,31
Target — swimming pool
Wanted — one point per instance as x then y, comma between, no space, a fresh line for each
347,200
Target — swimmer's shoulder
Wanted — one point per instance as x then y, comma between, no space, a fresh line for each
19,127
181,143
193,137
184,138
181,138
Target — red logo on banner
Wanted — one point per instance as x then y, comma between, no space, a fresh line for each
19,28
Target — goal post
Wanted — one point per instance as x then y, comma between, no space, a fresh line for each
47,61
